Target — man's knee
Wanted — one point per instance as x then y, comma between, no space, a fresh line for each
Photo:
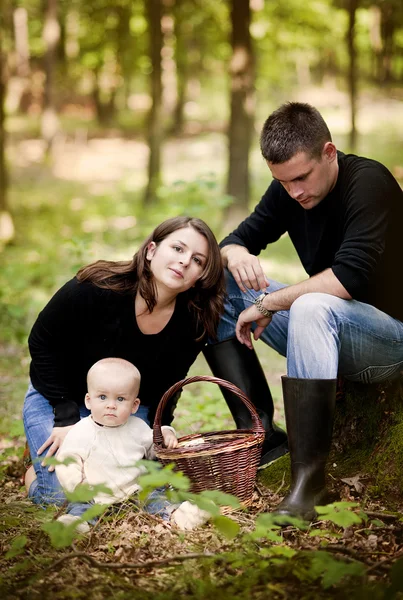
312,307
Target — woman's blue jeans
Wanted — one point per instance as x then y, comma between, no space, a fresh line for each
323,336
38,421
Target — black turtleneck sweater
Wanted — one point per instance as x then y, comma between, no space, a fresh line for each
356,230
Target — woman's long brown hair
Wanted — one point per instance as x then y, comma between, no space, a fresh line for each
205,300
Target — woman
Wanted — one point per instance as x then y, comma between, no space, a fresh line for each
156,311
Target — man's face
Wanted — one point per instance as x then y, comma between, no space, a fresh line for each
308,180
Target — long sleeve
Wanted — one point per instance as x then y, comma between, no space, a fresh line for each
54,340
264,225
76,445
366,202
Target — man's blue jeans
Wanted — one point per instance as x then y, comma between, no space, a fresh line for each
323,336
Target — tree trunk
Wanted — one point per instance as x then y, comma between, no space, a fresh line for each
242,109
6,221
388,26
51,36
367,441
154,16
182,74
352,71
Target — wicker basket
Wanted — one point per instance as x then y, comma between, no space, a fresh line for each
220,460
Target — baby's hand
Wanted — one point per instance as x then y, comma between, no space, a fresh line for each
170,440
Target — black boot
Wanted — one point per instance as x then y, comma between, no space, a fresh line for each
234,362
309,409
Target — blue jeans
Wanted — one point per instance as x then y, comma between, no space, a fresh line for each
38,421
323,336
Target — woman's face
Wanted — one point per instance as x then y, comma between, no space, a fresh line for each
179,260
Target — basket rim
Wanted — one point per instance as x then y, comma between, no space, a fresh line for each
247,439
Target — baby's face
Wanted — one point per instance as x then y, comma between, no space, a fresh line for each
112,400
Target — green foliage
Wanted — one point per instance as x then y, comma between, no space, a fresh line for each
159,476
396,579
61,535
17,547
86,493
339,513
332,571
226,526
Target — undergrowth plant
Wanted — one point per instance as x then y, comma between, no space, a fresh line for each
261,553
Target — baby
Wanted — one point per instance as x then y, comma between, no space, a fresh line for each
106,445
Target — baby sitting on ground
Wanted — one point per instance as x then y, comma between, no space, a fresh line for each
106,446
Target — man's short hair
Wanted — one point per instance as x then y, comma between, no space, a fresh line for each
292,128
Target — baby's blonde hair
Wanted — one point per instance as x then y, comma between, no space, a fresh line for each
118,362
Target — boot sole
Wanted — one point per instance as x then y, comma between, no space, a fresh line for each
270,457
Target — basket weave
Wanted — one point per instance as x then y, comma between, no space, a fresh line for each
220,460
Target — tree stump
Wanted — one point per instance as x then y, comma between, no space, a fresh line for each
367,441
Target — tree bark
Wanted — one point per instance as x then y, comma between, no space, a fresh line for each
155,127
182,73
6,221
242,74
352,71
51,36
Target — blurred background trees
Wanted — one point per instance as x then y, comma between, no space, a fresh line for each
115,114
159,68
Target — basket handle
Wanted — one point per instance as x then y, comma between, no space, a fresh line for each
257,426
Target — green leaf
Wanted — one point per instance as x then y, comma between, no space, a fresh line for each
331,570
221,498
17,547
94,511
226,526
85,492
60,534
396,578
265,527
161,477
339,513
285,520
324,533
377,523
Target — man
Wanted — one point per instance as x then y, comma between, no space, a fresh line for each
344,215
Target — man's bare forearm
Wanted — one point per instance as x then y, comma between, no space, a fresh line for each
325,282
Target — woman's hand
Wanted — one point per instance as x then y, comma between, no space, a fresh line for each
53,442
243,327
170,440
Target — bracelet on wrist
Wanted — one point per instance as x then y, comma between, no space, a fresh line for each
259,305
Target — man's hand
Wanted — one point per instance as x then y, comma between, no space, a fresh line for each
170,440
245,268
243,327
54,442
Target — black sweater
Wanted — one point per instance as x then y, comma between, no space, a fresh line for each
356,230
83,323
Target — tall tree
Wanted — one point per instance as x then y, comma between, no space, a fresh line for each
51,36
240,132
154,10
352,6
6,221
